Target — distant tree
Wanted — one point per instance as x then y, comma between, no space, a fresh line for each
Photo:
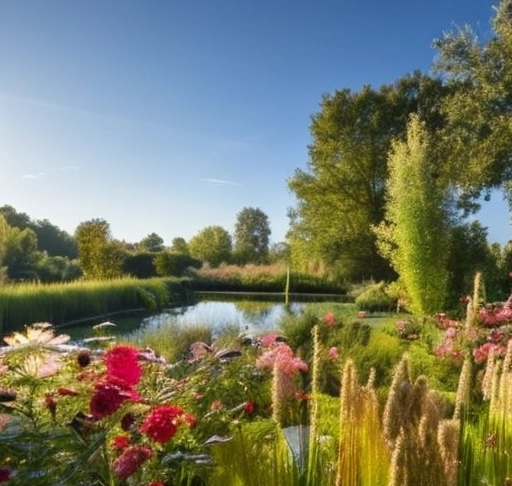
58,269
151,243
21,255
140,265
279,252
252,232
100,256
174,264
179,245
54,241
415,236
211,245
15,219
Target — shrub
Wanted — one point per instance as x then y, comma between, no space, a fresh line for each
374,299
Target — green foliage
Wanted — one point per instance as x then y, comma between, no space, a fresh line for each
341,194
415,237
140,265
100,256
211,245
65,302
179,245
174,264
21,254
58,269
374,298
252,232
151,243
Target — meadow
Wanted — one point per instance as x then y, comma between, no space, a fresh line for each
332,397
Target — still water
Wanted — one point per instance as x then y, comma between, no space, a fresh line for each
246,316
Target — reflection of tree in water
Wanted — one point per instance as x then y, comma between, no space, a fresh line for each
253,309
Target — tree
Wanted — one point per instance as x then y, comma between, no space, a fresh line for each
477,133
179,245
211,245
100,256
21,254
252,232
341,195
152,243
415,236
174,264
53,240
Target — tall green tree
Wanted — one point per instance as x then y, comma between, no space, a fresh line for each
100,256
212,245
152,243
477,139
252,233
179,245
415,236
341,194
21,254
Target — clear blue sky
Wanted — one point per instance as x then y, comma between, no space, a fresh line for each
170,116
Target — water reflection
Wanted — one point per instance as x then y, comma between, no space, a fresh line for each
245,315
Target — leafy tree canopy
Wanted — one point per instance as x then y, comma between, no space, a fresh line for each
252,232
211,245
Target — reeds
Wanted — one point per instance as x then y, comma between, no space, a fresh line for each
25,304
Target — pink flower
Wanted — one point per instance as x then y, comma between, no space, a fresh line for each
130,460
122,363
161,424
216,405
329,319
334,353
282,357
268,340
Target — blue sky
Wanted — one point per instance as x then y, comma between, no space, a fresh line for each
170,116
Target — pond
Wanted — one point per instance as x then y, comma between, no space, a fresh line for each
247,316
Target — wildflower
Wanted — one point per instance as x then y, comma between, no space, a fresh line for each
120,442
130,461
156,483
83,358
161,424
329,319
122,363
334,353
5,474
268,340
197,395
282,357
216,405
249,408
108,398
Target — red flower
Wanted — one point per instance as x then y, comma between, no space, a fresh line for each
156,483
5,474
108,398
130,461
122,363
161,424
120,442
249,408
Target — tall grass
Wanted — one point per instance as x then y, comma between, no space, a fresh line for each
25,304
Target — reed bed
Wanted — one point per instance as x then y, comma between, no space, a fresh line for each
61,303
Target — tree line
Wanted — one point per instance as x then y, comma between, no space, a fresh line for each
40,251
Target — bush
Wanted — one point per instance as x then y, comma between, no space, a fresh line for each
375,299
